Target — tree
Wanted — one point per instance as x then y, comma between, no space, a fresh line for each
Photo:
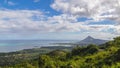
91,49
43,59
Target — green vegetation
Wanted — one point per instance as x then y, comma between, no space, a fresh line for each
92,56
27,55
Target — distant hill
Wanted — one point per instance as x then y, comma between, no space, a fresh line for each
91,40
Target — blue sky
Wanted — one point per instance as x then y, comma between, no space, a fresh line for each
42,5
59,19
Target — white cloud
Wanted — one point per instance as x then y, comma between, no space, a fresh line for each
22,21
27,21
36,0
117,29
96,9
34,21
11,3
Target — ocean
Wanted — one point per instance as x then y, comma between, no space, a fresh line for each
16,45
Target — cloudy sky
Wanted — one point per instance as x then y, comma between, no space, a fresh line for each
59,19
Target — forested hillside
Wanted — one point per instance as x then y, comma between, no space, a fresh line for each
92,56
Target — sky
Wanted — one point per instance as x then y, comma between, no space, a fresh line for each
59,19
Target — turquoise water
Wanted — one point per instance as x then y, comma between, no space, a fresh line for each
15,45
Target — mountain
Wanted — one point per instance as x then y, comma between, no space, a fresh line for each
91,40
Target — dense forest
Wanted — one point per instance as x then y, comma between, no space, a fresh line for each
92,56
